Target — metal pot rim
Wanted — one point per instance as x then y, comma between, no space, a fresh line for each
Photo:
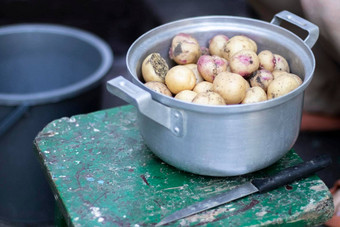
171,102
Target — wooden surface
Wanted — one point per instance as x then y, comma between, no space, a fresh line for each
103,175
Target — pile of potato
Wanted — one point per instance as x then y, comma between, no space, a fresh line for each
228,71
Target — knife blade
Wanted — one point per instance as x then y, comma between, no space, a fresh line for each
258,185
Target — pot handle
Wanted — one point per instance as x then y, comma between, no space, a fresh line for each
166,116
312,29
13,117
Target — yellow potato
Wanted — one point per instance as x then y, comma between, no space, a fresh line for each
217,45
154,68
244,62
231,86
203,86
267,60
194,69
209,98
237,43
254,94
281,63
282,85
180,78
158,87
186,95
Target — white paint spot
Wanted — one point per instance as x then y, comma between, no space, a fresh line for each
95,211
100,219
89,178
96,130
76,218
46,152
100,182
261,213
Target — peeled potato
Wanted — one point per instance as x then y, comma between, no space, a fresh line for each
180,78
254,94
154,68
203,86
186,95
231,86
209,98
158,87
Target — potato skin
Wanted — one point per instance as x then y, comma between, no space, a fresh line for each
203,86
238,43
261,78
210,66
186,95
154,68
184,49
244,62
209,98
217,45
194,69
180,78
158,87
254,94
231,86
282,85
281,63
267,60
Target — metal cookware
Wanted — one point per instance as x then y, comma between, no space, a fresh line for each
220,140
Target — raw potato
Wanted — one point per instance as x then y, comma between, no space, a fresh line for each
184,49
281,63
217,45
237,43
254,94
194,69
210,66
203,86
209,98
158,87
261,78
267,60
231,86
282,85
244,62
186,95
277,73
154,68
180,78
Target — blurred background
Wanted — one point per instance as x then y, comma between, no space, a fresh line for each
120,22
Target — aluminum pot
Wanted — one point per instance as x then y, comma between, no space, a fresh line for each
220,140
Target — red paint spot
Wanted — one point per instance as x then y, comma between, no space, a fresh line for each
289,187
131,170
144,179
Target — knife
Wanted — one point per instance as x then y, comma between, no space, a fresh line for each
259,185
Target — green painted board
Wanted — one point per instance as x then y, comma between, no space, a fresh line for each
102,174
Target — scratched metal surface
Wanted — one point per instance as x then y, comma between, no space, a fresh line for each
103,175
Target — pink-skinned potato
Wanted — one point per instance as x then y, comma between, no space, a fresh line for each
244,62
281,63
210,66
261,78
184,49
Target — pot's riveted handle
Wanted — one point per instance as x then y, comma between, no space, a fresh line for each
312,29
168,117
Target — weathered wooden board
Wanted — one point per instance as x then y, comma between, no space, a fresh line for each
103,175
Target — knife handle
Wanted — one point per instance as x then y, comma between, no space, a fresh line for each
291,174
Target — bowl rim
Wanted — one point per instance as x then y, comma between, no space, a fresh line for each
68,91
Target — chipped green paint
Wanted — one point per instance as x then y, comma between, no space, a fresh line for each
103,175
